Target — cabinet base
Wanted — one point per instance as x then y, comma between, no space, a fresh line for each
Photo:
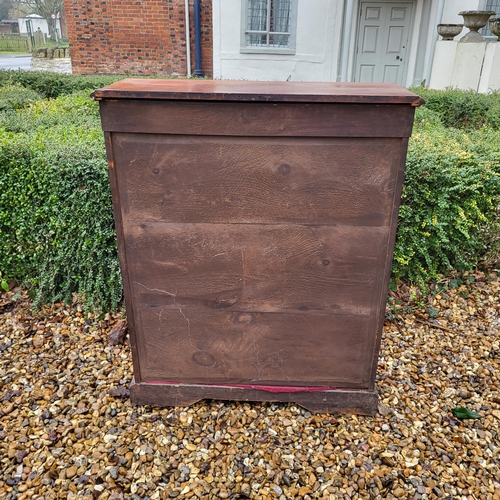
362,402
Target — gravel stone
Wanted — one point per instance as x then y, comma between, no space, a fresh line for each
71,472
67,429
437,492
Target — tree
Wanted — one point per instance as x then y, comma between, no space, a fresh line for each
5,6
46,9
16,10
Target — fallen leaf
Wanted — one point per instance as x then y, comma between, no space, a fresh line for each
118,333
464,413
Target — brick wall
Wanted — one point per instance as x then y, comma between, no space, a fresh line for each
137,37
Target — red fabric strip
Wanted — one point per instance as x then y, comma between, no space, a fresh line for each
267,388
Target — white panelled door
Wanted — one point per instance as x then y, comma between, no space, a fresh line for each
382,42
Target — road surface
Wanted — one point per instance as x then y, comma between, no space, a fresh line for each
15,61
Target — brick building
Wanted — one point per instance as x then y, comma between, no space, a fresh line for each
137,37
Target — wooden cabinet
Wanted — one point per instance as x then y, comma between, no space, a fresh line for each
256,224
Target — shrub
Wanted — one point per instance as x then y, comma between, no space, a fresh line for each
56,222
426,119
74,112
14,96
463,108
52,85
449,202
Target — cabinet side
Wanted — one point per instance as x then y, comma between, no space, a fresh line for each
384,287
122,253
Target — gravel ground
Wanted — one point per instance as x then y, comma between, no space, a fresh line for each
68,430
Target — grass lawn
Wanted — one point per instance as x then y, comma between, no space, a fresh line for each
10,52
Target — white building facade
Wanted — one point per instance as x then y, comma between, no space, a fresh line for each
333,40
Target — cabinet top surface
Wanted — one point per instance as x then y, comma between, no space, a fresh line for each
231,90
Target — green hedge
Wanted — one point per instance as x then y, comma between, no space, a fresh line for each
56,225
52,85
73,112
14,96
463,109
448,217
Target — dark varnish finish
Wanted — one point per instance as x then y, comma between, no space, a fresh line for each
256,225
253,119
218,179
323,400
241,91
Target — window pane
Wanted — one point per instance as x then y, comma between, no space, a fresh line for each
271,20
257,15
280,15
279,40
493,5
256,40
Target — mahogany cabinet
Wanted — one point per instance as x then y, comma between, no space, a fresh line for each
256,225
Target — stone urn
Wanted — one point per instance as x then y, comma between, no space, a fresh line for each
475,20
449,31
495,26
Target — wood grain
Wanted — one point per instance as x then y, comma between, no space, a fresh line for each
256,180
362,402
258,267
256,302
331,92
385,275
256,226
121,241
256,119
190,344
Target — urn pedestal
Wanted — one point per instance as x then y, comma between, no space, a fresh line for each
494,25
475,20
449,31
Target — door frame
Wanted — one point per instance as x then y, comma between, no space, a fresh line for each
415,22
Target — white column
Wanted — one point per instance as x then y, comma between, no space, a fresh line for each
432,38
490,76
442,66
216,38
468,65
346,38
